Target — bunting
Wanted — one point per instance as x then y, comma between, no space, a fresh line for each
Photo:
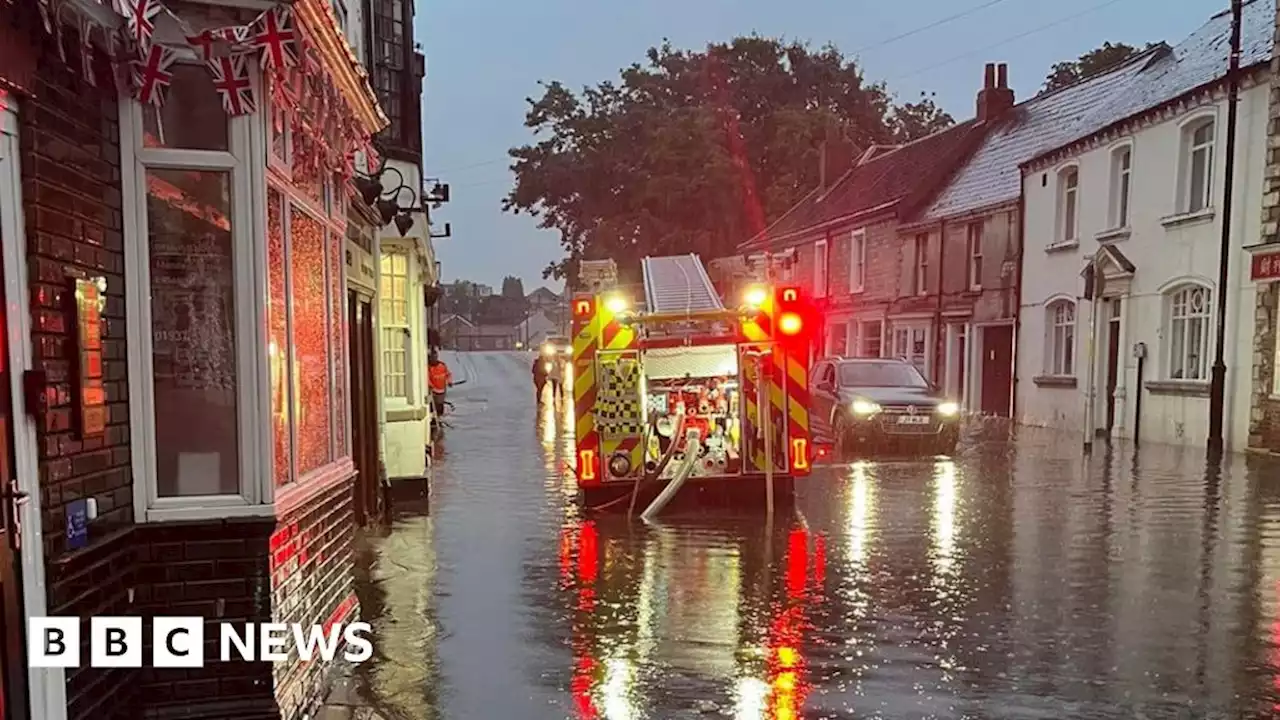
140,17
274,35
231,80
151,77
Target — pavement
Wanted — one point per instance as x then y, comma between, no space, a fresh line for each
1018,580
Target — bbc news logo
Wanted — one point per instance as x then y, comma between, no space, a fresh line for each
179,642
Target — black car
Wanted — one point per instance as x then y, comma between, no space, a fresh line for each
882,403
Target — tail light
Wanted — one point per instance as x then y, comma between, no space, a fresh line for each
587,470
790,323
800,454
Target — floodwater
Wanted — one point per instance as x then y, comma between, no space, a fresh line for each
1016,582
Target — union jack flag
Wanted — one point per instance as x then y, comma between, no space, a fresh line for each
231,80
140,15
151,77
274,34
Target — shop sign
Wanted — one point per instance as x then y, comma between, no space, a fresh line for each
1265,267
90,396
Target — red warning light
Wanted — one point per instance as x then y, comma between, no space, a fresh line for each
790,295
582,307
799,454
587,465
790,323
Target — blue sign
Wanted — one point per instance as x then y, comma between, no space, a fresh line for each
77,524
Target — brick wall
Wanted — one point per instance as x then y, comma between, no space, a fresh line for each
1264,426
312,584
70,183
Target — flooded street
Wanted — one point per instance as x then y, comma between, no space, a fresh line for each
1014,582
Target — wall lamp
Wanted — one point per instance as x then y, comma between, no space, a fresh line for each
387,203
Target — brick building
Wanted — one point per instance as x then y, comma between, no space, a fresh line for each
179,447
1264,270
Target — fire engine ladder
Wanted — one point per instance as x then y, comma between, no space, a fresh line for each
678,284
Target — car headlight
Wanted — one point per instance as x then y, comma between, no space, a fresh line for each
548,351
948,409
865,407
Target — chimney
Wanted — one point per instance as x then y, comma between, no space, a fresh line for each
996,97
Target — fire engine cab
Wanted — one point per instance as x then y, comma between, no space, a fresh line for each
680,392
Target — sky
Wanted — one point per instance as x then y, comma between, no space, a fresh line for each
486,57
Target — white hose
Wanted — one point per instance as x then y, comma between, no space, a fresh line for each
692,447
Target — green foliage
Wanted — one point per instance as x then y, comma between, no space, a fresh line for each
697,151
1089,64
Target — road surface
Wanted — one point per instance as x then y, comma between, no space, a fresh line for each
1014,582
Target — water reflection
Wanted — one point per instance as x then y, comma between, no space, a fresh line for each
688,606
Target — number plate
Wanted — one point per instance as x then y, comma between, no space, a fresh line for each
913,420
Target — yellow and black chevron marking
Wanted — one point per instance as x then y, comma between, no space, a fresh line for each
619,408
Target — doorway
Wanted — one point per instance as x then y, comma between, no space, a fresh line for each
1113,360
957,362
997,370
369,506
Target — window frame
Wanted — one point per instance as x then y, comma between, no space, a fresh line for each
910,329
973,262
821,261
1060,357
864,336
1168,299
858,260
253,426
1188,129
410,357
1120,212
1068,206
920,273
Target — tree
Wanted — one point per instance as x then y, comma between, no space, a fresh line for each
697,151
513,287
1090,64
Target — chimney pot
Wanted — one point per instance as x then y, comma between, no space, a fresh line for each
1002,72
989,81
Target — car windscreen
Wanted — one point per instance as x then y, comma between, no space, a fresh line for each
881,374
557,341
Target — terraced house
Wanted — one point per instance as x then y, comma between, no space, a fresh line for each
175,377
1127,201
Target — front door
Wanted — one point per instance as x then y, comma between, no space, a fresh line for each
13,672
1113,360
997,370
364,409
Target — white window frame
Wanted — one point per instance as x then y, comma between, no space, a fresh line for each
920,275
1121,210
858,260
1060,338
410,356
820,268
864,336
1068,205
973,248
1170,299
246,160
1188,149
909,331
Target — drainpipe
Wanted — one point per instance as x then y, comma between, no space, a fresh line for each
939,348
1218,377
1017,302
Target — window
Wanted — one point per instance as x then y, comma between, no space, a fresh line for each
912,344
820,269
390,63
203,386
837,339
1060,360
1068,205
973,246
921,277
340,12
394,320
870,337
1121,175
1188,332
857,260
1197,166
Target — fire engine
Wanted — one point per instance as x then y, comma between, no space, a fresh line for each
677,389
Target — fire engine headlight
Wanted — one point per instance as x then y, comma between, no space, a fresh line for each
865,407
948,409
548,350
619,464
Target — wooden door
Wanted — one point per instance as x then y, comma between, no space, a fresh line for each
997,369
13,675
1113,360
364,408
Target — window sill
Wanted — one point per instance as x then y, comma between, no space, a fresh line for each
295,495
1054,381
1062,246
1178,388
406,414
1113,235
1188,218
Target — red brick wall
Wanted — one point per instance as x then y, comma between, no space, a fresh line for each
71,200
312,583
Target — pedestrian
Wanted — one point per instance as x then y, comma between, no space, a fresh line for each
556,375
540,374
439,377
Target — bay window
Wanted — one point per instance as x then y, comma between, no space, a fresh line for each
238,386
